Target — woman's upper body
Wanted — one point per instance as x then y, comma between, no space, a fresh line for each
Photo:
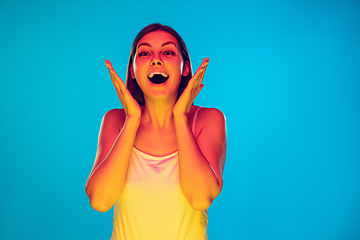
158,122
152,205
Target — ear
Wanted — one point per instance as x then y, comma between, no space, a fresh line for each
132,71
186,69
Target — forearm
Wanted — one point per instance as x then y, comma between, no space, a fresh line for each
107,180
197,179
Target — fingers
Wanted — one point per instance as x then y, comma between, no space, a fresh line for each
191,91
115,77
117,82
108,63
198,91
129,104
112,70
198,77
203,66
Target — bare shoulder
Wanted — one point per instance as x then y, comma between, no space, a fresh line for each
115,113
210,121
114,118
212,116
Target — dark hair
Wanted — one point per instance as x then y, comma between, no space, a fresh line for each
132,84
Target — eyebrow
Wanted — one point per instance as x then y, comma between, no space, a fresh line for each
162,45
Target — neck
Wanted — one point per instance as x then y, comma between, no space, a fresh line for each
158,113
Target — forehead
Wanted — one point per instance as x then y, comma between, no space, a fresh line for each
158,37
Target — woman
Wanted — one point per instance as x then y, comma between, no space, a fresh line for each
160,159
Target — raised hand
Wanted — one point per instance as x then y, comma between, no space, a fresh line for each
131,106
183,104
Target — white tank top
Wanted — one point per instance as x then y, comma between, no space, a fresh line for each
152,205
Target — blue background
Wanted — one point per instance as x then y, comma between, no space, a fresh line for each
285,73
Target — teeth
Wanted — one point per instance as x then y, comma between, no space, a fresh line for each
153,73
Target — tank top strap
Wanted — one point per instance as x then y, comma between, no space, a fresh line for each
194,120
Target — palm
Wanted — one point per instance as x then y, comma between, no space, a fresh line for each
191,91
130,105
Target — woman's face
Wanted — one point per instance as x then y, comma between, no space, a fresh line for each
158,65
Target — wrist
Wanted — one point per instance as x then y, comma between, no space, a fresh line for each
179,112
133,120
179,118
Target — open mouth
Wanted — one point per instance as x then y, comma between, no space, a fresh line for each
158,78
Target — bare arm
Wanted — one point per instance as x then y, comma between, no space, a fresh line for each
116,140
201,160
107,178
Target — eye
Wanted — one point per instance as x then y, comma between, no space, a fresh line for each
143,54
169,53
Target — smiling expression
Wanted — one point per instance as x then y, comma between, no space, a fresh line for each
158,65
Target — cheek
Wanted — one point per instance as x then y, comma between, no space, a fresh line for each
137,67
178,65
181,64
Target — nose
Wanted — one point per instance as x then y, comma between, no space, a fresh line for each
155,62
